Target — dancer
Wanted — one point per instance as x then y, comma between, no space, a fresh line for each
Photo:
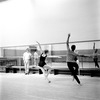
42,63
71,60
36,61
95,56
26,58
77,61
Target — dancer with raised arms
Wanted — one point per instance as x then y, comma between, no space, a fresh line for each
46,69
71,60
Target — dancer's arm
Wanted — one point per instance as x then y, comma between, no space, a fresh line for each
39,47
93,46
67,42
83,55
93,49
90,55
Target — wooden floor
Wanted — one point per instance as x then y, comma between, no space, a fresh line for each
34,87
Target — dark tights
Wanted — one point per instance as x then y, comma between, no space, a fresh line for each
73,67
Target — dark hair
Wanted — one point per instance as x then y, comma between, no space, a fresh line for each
28,49
46,51
73,47
35,50
96,50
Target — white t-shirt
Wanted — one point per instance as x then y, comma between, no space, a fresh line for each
71,56
36,56
27,56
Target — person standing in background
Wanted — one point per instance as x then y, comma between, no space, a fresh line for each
95,56
26,58
35,57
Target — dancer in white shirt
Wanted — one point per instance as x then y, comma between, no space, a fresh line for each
71,60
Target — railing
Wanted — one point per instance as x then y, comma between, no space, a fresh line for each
83,47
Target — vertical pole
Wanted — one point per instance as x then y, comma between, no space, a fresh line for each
82,62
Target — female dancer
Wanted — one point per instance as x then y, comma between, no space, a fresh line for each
42,63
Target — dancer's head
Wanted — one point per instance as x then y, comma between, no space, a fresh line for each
73,47
28,50
96,50
35,50
46,51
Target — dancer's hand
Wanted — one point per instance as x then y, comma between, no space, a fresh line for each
37,41
39,46
69,35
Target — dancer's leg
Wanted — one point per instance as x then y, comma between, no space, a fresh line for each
96,62
25,65
70,66
44,72
76,68
48,69
28,63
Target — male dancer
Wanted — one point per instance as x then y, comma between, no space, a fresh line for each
71,60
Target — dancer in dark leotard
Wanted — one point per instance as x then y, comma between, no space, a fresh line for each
42,59
42,62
